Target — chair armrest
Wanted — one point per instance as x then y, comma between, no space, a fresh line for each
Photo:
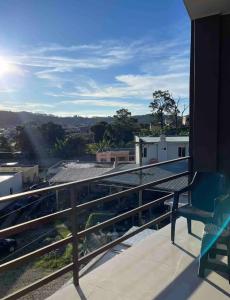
189,186
185,189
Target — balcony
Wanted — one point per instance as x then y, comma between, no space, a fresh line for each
151,269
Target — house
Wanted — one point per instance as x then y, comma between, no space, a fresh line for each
30,173
162,148
10,183
119,155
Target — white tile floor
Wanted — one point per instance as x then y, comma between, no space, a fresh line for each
152,269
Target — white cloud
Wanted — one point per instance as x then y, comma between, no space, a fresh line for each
104,103
134,86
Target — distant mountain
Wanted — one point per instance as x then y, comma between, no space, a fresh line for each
12,119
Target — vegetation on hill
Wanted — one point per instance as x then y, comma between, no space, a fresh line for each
42,136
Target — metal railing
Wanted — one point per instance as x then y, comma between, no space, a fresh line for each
73,211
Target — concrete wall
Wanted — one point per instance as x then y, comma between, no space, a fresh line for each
161,151
152,153
172,150
30,174
109,156
14,182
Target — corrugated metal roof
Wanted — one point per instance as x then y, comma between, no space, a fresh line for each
152,174
74,174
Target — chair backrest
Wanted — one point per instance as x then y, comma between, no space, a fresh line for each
207,186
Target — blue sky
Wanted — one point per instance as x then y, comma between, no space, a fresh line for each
91,57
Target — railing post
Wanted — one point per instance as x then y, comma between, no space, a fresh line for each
73,198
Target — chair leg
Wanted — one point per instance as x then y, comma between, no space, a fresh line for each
189,224
173,226
203,256
212,252
228,260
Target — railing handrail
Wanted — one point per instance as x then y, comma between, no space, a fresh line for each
88,180
74,210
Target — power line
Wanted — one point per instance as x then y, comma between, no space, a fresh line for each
18,209
30,243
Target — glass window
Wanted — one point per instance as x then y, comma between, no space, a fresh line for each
144,153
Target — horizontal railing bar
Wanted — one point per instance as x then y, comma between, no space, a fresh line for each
27,257
104,248
125,215
39,283
131,190
33,223
88,180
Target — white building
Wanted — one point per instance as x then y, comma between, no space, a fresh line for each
10,183
162,148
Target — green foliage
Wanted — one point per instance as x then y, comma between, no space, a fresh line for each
4,144
96,218
58,258
100,146
72,146
123,128
99,131
162,103
51,133
38,141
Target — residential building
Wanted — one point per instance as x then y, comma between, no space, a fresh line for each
30,173
118,155
157,149
10,183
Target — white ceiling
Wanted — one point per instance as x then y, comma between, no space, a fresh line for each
203,8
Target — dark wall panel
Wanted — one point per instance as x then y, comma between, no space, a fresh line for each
224,101
206,92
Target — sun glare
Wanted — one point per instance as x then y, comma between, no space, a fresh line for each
7,67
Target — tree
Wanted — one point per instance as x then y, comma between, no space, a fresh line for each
122,130
99,131
4,144
102,145
162,103
29,141
176,111
73,146
51,133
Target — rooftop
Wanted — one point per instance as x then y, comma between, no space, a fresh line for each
170,139
68,171
152,174
152,269
6,175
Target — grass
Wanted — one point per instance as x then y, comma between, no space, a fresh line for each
60,257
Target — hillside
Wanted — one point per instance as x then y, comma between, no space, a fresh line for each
12,119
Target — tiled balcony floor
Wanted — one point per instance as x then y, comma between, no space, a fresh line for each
152,269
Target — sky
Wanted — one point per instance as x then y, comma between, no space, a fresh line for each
92,57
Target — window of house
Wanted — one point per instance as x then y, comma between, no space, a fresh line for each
144,153
181,151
